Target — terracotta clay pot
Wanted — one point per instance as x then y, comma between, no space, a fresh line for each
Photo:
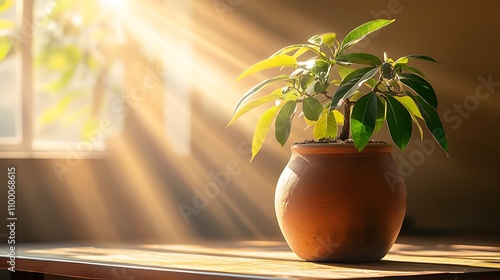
336,204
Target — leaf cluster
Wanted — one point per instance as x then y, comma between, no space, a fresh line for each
324,77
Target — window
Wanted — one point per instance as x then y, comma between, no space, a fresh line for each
76,76
10,101
55,84
64,75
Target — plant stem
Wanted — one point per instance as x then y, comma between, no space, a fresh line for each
344,135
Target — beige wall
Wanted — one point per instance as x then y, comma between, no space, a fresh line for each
457,193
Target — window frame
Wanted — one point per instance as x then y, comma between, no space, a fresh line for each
23,48
23,82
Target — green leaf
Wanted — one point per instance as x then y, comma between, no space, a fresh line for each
432,121
420,86
254,104
315,40
371,83
413,70
303,50
363,119
413,110
306,80
282,60
262,128
344,71
422,57
359,58
328,39
357,95
400,63
291,96
283,124
326,126
380,115
401,60
300,48
320,65
420,130
5,46
320,87
338,117
360,32
409,104
399,122
335,82
256,89
312,108
309,123
350,84
5,5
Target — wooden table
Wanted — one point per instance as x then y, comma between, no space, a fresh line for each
410,258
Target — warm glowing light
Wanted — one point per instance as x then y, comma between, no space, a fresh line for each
77,20
174,92
114,5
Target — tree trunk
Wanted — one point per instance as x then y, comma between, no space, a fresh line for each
344,135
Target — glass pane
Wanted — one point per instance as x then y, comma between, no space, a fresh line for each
10,101
76,81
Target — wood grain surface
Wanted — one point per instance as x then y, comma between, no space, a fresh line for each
422,258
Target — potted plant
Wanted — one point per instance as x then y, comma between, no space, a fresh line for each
339,198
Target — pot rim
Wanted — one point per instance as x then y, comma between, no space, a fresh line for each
344,148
